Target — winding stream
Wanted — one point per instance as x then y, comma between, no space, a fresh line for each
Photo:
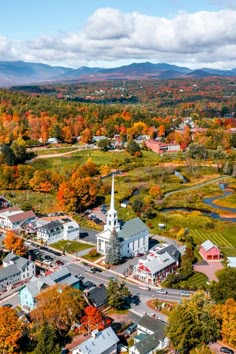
210,202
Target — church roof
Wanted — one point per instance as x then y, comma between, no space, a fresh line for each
131,228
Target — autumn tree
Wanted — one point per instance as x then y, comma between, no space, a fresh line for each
66,197
193,323
14,243
41,181
203,349
77,194
93,319
155,191
59,306
11,330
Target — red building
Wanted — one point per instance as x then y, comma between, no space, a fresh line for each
209,251
160,148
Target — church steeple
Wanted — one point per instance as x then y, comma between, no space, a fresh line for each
112,219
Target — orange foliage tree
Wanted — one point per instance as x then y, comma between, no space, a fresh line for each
59,306
155,191
14,243
93,319
11,330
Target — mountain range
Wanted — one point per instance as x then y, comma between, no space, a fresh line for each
25,73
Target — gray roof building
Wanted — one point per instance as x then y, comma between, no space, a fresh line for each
99,343
97,296
8,272
150,336
131,228
153,325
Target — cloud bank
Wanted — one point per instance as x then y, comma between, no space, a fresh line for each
197,40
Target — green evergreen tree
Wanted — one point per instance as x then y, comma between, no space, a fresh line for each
117,294
47,341
113,255
132,147
7,156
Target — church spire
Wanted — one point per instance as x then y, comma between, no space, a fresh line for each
112,219
112,205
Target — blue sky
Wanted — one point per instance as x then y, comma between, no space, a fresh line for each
195,33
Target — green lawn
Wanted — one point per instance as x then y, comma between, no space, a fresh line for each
71,246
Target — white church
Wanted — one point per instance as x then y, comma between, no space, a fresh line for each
133,235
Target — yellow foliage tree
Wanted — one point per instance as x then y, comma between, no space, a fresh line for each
11,330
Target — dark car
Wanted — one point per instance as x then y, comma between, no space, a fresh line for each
226,350
58,262
89,284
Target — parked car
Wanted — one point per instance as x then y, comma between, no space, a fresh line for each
112,279
161,291
58,262
89,284
226,350
90,270
144,288
184,293
131,329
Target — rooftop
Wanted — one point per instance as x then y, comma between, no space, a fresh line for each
131,228
207,245
101,343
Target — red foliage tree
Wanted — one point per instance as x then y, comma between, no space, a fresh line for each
93,319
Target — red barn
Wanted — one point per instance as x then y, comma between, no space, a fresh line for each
209,251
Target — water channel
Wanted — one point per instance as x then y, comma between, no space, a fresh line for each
210,202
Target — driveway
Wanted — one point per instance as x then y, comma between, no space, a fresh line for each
209,269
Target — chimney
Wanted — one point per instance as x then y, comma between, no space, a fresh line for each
95,333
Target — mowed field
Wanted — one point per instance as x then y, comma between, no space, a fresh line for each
225,240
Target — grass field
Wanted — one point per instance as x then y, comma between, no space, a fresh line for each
71,246
26,200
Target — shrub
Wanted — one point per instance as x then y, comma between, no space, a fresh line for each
93,252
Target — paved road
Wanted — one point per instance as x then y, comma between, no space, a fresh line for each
61,154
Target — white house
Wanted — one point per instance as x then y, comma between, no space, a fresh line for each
13,218
104,342
57,230
15,271
150,336
133,235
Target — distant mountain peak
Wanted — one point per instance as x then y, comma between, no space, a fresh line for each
23,73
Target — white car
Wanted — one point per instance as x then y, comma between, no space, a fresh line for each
161,291
144,288
184,293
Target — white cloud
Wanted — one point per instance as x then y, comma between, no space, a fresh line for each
110,36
